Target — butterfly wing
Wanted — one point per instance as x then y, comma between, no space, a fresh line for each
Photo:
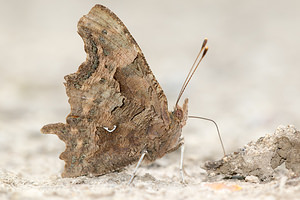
116,102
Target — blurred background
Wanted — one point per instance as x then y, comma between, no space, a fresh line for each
248,83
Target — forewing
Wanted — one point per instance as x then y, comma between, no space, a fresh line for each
114,99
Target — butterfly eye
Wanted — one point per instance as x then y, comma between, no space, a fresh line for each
179,114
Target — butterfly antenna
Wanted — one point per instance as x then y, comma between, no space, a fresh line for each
194,67
220,138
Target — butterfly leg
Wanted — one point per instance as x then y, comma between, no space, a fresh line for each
181,163
181,146
137,166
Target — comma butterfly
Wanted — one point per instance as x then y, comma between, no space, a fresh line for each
119,113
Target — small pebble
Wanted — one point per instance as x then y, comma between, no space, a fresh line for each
252,179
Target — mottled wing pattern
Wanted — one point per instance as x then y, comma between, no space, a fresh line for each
115,100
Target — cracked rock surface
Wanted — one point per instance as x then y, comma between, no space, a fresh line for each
262,157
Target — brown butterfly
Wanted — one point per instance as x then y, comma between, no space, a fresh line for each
119,113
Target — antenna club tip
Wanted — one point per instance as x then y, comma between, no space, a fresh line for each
205,51
204,43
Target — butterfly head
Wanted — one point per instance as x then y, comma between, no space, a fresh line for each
181,113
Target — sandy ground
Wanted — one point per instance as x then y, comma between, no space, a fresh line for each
248,83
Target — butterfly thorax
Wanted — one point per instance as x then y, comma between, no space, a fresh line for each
170,137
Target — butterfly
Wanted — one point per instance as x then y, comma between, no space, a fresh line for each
119,113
